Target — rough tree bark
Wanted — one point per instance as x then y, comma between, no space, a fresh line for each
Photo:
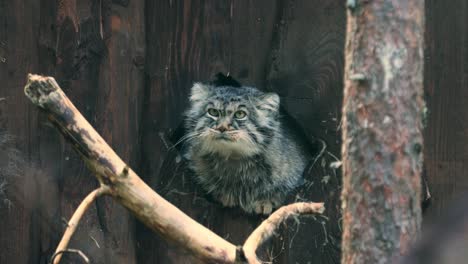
124,185
382,141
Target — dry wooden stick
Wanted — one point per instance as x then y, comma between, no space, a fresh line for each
128,189
69,250
124,184
75,220
268,227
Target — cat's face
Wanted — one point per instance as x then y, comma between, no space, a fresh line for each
231,121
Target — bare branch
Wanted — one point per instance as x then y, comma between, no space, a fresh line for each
59,254
123,184
75,220
268,227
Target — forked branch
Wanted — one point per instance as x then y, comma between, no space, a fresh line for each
124,185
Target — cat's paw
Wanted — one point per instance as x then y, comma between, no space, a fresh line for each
263,207
227,201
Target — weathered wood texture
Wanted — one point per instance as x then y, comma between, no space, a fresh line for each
269,44
383,111
110,54
91,48
446,80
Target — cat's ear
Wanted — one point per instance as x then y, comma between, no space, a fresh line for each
269,102
199,92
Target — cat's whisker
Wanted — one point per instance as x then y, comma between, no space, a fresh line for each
187,137
182,139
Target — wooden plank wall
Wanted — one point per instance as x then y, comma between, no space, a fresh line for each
291,47
128,66
446,86
95,50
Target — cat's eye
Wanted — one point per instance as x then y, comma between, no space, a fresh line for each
240,114
213,112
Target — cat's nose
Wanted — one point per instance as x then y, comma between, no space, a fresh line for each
224,125
222,129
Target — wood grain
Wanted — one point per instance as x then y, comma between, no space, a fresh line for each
20,240
306,70
191,41
107,55
446,72
75,42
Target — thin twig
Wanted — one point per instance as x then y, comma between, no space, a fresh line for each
267,228
322,150
75,220
59,254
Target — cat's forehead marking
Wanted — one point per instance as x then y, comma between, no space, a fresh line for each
230,108
227,104
226,98
234,91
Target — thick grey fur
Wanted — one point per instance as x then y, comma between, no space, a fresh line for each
256,161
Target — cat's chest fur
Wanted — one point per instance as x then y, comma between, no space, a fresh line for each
220,172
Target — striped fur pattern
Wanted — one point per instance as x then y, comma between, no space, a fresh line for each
238,149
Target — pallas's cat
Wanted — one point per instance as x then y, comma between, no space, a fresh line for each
238,147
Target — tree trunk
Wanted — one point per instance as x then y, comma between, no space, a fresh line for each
382,122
